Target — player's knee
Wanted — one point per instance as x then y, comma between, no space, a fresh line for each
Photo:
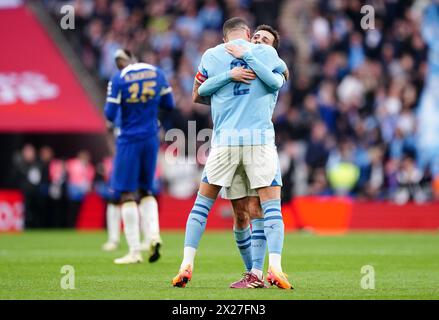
146,195
113,201
242,220
269,193
127,196
148,199
209,190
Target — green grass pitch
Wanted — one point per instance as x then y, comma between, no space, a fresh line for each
406,266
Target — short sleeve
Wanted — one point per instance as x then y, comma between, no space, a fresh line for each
165,88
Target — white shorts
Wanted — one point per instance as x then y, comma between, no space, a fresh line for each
242,169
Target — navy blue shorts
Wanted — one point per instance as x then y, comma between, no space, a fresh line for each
134,165
105,191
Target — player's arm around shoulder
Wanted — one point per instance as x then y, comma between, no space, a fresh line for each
201,76
279,65
263,60
196,97
283,69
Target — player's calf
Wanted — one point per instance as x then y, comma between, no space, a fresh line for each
130,217
150,226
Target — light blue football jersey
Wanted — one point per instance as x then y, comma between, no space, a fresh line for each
241,113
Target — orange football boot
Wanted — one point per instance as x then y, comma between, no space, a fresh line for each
183,277
278,279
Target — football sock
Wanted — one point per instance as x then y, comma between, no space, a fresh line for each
189,256
131,228
149,215
243,242
257,272
113,222
274,230
258,246
275,262
196,222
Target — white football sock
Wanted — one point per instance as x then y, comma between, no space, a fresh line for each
113,222
257,272
274,261
130,218
188,257
150,219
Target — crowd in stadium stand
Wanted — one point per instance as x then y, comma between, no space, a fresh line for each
345,122
53,188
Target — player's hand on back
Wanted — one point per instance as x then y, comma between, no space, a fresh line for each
237,51
240,74
286,74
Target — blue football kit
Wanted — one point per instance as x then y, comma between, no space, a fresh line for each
139,90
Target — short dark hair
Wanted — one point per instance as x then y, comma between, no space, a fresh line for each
274,32
123,54
234,23
128,53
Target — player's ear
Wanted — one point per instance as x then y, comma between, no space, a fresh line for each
225,39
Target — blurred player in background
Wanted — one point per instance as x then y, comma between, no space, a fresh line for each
113,215
243,139
138,90
112,197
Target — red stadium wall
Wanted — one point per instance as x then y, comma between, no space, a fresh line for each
322,215
41,92
382,215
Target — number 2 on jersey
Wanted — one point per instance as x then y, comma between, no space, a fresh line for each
237,91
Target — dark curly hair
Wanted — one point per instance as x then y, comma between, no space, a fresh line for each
273,31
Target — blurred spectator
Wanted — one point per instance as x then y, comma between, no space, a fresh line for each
58,193
80,173
317,151
45,157
374,175
343,171
29,175
409,179
211,16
